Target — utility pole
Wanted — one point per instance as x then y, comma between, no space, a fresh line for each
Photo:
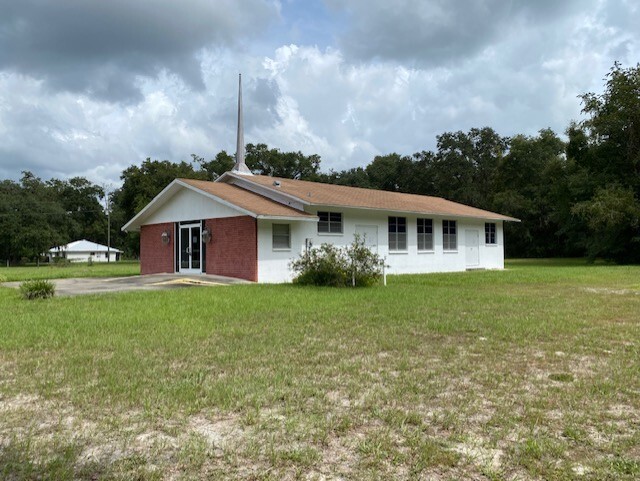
107,188
108,228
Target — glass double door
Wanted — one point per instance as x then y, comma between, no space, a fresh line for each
190,249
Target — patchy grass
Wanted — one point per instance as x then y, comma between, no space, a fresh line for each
65,271
530,373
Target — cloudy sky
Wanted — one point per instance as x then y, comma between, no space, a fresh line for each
89,87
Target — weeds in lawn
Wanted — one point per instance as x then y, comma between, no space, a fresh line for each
522,374
37,289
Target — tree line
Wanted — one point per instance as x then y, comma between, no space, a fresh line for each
578,196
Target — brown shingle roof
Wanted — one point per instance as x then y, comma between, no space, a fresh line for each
344,196
245,199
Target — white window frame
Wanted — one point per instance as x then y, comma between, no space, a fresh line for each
424,236
449,238
397,240
330,223
490,233
281,236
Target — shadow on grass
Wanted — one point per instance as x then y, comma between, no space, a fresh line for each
560,262
19,461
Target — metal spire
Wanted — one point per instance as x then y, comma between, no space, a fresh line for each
240,167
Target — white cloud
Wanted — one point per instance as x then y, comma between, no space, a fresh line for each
100,48
520,74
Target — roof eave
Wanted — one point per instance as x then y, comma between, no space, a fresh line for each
307,202
441,214
287,217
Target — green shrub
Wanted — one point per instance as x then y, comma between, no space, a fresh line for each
61,261
324,266
37,289
364,266
328,265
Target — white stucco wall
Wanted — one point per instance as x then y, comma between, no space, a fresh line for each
189,205
273,265
84,256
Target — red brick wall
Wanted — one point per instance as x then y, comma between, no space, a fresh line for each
233,250
155,257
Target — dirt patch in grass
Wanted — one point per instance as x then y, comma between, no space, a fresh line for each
609,291
220,433
483,457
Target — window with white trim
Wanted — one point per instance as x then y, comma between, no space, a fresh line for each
330,223
490,233
425,234
397,233
449,235
281,236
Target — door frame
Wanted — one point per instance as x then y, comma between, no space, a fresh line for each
190,226
476,259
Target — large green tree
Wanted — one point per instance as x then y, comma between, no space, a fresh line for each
605,152
37,215
263,160
34,219
390,172
292,165
215,167
10,218
465,164
81,199
528,182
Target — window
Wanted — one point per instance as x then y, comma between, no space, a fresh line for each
490,233
281,236
397,233
425,234
449,235
330,223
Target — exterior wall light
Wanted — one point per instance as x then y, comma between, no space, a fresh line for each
206,235
165,237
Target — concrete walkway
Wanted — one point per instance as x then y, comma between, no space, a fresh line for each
152,282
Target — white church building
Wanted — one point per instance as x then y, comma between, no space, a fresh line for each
252,226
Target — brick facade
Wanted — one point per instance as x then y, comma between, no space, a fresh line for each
233,250
156,257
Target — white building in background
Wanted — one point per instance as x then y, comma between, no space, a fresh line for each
84,251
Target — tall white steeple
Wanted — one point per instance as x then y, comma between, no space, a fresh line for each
240,167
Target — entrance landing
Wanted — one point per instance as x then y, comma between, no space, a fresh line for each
150,282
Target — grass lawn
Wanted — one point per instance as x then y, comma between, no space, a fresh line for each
529,373
65,271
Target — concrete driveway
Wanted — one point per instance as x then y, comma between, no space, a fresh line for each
152,282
